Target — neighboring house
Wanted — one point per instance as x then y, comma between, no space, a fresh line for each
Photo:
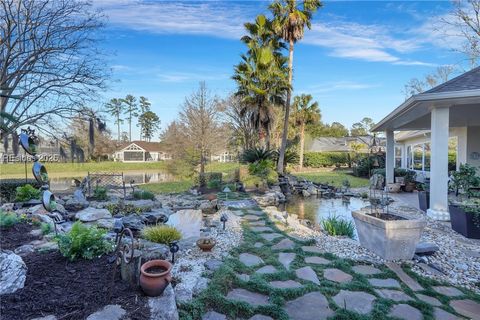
224,156
341,144
48,151
426,122
140,151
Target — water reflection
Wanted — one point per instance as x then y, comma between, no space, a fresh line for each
65,183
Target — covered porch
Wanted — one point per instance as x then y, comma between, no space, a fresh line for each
450,107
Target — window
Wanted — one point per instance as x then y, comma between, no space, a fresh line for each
427,156
409,157
398,157
417,157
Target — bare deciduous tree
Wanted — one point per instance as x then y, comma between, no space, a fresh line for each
238,119
200,118
441,75
49,61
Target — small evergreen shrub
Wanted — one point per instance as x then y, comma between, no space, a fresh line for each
8,220
125,209
8,188
161,234
100,193
83,242
325,159
144,195
46,228
337,226
26,193
214,184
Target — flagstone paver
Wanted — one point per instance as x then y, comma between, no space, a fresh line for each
243,276
286,258
288,284
406,312
253,298
316,260
284,244
270,236
448,291
255,212
212,315
250,260
440,314
260,317
384,283
258,244
356,301
307,273
366,270
405,278
312,249
266,269
313,305
394,295
251,217
262,229
337,275
259,223
430,300
467,308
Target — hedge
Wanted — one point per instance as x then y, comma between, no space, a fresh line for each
207,177
8,187
325,159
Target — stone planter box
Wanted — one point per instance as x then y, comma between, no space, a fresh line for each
391,240
463,222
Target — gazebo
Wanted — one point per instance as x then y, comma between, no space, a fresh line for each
452,108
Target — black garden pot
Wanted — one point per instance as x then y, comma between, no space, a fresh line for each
424,200
463,222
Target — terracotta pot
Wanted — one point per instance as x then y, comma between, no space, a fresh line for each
206,244
154,283
211,196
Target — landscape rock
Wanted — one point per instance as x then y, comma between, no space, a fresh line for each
109,312
386,283
157,215
266,269
13,272
356,301
202,284
313,303
337,275
24,250
467,308
366,270
286,258
133,222
151,250
288,284
212,315
307,273
107,223
448,291
183,294
316,260
406,312
426,248
92,214
395,295
430,300
213,264
440,314
284,244
250,260
163,307
253,298
188,222
77,202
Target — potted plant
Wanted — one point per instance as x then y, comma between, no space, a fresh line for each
389,235
423,196
155,276
410,181
465,214
206,244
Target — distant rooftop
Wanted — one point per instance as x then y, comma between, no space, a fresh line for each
467,81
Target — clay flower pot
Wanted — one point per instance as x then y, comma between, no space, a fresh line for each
211,196
206,244
155,276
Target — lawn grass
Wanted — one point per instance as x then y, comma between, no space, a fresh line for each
335,178
168,187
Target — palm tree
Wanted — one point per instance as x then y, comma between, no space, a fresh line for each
115,107
290,19
304,112
261,75
131,110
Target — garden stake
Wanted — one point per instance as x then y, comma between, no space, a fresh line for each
173,248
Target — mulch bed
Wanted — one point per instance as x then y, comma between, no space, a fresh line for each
15,236
70,290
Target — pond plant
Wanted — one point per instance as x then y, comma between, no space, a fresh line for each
143,195
338,226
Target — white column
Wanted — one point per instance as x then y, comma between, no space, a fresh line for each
461,146
439,165
390,157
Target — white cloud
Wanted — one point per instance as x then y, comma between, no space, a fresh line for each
326,87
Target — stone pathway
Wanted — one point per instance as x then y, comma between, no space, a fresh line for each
355,289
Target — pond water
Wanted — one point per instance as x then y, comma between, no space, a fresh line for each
315,209
140,177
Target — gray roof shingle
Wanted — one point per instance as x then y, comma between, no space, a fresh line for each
467,81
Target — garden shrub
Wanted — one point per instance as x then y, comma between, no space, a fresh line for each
143,195
8,188
325,159
263,169
125,209
214,184
83,242
257,154
100,193
46,228
365,164
26,193
8,220
337,226
161,234
205,178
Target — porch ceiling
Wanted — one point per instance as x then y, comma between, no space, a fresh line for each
414,114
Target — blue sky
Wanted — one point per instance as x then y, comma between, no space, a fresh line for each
354,61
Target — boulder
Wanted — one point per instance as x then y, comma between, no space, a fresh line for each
188,222
8,206
208,206
13,272
158,215
105,223
183,294
24,250
305,193
92,214
163,307
151,250
74,204
133,222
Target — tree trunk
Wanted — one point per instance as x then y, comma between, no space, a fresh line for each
281,156
302,143
118,128
130,128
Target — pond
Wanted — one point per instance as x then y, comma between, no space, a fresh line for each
315,209
140,177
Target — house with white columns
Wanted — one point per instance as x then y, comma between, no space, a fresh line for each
431,118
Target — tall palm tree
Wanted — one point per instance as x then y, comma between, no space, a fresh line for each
115,107
261,75
290,19
304,112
